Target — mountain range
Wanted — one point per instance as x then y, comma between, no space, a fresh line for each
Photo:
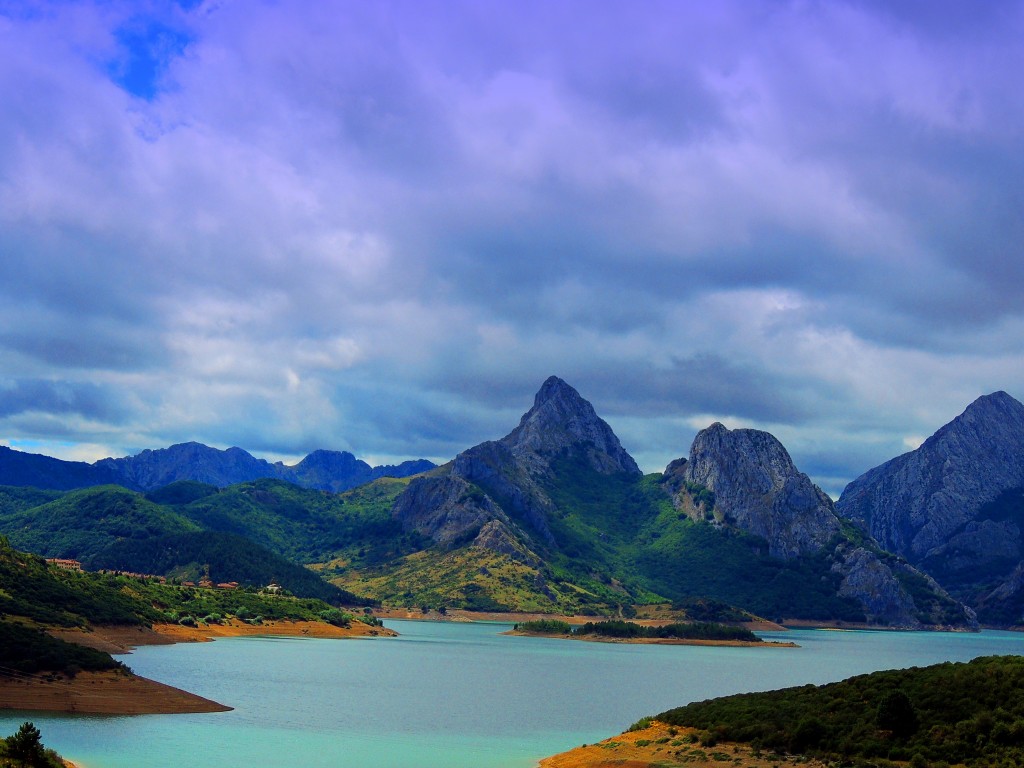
557,517
323,470
735,521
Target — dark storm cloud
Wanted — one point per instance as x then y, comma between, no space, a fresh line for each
381,226
25,396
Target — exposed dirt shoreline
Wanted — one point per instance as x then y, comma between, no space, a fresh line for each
655,640
120,693
660,746
102,693
518,617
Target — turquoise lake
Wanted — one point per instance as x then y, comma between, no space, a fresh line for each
450,695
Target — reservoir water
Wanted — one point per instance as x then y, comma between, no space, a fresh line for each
447,695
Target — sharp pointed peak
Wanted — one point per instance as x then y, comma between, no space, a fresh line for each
551,388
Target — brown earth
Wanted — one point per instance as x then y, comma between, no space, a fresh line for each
121,693
121,639
176,633
663,746
101,693
656,640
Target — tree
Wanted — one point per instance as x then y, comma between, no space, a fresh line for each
26,746
896,713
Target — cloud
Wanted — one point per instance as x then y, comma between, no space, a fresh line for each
379,227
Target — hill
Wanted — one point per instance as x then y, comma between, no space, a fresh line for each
205,533
970,713
954,507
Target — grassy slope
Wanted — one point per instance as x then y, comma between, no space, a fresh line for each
947,713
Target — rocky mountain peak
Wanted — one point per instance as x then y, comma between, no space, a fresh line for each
915,502
759,489
562,421
929,505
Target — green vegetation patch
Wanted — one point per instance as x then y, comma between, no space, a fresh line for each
545,627
628,630
28,650
970,713
25,747
700,630
32,589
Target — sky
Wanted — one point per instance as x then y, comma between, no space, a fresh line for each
379,226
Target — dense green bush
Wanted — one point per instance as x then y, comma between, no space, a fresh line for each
28,650
969,713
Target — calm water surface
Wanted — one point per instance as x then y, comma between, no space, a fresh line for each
452,695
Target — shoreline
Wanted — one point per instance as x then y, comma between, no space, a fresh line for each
125,693
115,639
519,617
102,693
657,640
660,744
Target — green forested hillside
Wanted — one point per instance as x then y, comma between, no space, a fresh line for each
81,524
970,713
615,540
629,526
35,595
221,556
254,533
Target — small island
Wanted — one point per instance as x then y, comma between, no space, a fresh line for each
618,631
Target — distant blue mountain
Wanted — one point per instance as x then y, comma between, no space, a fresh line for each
323,470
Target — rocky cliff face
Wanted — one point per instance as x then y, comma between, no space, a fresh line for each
933,505
561,421
917,501
757,488
561,424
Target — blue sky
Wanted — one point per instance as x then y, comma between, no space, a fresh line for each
380,226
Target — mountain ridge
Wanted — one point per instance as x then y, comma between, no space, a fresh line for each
333,471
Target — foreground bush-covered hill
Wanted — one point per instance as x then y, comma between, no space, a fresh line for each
971,713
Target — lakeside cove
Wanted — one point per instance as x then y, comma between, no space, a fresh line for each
453,694
124,693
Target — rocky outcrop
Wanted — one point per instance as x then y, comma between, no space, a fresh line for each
758,489
562,422
448,509
871,583
498,537
918,501
745,478
954,506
